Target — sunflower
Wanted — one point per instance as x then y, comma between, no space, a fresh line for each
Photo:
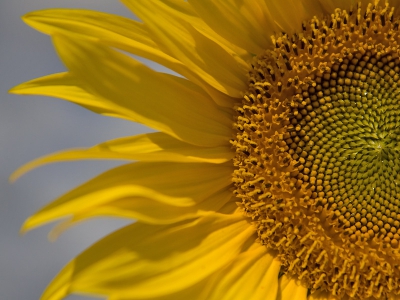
275,170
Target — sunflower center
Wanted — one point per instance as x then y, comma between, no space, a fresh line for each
346,138
317,152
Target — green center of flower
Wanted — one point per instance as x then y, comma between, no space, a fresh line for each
346,139
317,152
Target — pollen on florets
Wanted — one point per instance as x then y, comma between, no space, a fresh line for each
318,152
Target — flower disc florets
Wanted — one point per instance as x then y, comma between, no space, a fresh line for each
318,152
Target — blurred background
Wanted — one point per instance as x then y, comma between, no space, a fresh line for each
34,126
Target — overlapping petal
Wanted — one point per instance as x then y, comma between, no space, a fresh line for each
111,30
244,23
68,87
170,184
148,210
127,35
204,57
153,147
164,102
289,15
291,288
252,275
145,261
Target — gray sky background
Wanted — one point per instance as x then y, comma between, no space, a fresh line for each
31,127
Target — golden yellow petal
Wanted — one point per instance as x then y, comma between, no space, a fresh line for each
153,147
291,289
288,15
245,24
66,86
124,34
176,184
111,30
252,275
164,102
204,57
150,211
146,261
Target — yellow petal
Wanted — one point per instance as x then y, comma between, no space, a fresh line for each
253,275
164,102
251,23
147,210
244,23
175,184
154,147
66,86
204,57
118,32
182,10
291,289
145,261
289,15
111,30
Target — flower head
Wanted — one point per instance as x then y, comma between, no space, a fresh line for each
275,171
